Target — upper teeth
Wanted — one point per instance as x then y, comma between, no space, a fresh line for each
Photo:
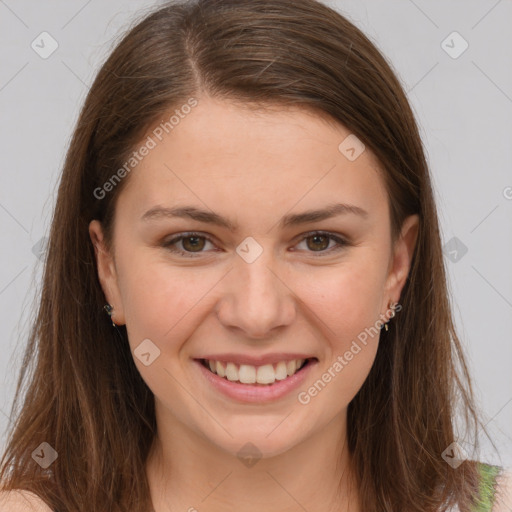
248,374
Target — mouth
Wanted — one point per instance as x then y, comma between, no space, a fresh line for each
265,382
262,375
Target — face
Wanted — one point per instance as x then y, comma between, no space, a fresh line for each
240,276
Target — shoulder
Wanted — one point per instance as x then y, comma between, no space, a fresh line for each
503,496
21,501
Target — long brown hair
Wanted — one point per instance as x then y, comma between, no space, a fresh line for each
84,395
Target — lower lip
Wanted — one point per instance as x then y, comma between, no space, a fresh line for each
253,393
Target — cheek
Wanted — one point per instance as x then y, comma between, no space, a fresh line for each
348,372
348,306
347,298
163,304
162,301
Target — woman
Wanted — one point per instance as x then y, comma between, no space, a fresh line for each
246,197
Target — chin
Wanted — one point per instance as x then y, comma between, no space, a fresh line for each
253,436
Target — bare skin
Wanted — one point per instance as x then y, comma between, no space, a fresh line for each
300,295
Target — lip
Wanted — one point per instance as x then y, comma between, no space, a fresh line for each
255,393
255,361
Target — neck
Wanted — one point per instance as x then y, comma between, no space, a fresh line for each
187,472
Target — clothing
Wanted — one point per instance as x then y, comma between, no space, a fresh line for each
488,475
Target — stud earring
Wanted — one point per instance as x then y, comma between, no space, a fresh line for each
109,309
392,315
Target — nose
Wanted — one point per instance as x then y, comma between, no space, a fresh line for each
257,300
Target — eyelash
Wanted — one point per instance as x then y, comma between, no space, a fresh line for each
340,241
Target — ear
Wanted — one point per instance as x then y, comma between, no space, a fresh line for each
107,273
402,258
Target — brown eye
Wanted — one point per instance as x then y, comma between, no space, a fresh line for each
319,242
193,243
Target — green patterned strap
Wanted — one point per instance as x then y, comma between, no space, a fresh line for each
488,476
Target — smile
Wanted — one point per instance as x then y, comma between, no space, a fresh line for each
248,374
265,382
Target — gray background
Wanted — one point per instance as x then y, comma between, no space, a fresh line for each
463,106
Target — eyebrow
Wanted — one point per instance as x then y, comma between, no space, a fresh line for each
295,219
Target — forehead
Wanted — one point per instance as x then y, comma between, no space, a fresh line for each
227,154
